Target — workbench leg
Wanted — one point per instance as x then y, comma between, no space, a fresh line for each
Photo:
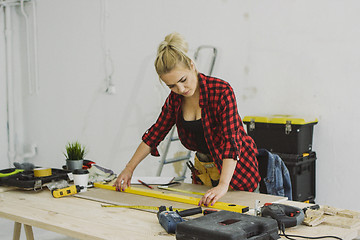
29,232
17,231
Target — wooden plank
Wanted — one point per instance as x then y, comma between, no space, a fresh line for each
76,217
119,198
177,198
84,219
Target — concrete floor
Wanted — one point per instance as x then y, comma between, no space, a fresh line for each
7,228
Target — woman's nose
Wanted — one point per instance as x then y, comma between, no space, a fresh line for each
181,88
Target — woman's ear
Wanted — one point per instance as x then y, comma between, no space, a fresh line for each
193,66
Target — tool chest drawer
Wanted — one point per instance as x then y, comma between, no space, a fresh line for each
281,133
302,168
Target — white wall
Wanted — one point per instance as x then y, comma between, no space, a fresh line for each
3,111
287,57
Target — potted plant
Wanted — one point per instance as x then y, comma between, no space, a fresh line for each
75,154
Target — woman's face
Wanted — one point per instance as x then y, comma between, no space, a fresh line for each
181,80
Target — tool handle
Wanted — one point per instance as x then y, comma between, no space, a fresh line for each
208,211
190,212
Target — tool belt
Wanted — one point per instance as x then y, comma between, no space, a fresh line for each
208,174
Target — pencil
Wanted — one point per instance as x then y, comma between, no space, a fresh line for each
147,185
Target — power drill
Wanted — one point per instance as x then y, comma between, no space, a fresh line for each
286,216
169,219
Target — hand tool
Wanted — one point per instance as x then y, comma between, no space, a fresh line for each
179,190
313,207
87,164
62,192
171,184
141,207
183,211
145,184
169,219
9,172
285,215
209,211
194,172
176,198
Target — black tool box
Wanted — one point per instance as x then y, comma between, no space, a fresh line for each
225,225
26,179
281,133
302,168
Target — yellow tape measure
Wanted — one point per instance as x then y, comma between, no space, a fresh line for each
42,172
142,207
176,198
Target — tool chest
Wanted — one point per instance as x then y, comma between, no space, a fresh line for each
281,133
26,179
291,139
302,168
226,225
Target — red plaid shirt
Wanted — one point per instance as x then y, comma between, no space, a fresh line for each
223,130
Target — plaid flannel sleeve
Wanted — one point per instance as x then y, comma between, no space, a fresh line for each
158,131
238,145
231,124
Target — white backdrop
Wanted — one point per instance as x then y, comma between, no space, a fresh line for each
281,57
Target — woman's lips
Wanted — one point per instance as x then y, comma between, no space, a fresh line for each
186,93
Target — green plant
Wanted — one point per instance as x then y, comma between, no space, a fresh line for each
75,151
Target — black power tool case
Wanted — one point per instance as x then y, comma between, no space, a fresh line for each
26,179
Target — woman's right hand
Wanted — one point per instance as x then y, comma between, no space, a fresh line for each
123,180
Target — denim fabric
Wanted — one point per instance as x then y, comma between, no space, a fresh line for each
277,180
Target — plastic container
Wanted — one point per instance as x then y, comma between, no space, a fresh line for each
302,170
281,133
225,225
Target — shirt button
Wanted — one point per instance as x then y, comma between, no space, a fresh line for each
237,158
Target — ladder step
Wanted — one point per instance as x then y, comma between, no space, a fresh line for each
179,178
177,159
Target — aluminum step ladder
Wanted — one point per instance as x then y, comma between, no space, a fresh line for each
172,137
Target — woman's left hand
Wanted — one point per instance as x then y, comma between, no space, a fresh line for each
213,194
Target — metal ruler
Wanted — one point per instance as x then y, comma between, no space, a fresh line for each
140,207
176,198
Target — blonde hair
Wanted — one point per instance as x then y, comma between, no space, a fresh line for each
171,52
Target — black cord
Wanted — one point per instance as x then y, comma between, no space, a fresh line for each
282,228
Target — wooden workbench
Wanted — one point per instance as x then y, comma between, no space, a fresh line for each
86,219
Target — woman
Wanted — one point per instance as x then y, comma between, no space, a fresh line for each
205,113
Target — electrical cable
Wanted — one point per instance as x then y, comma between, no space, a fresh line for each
108,61
26,17
282,229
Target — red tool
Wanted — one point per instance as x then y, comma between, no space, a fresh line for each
145,184
194,172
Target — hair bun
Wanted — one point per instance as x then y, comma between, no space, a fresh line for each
176,41
171,52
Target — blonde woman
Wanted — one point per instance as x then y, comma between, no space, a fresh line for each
205,112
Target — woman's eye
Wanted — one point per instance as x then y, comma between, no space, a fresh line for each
183,80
